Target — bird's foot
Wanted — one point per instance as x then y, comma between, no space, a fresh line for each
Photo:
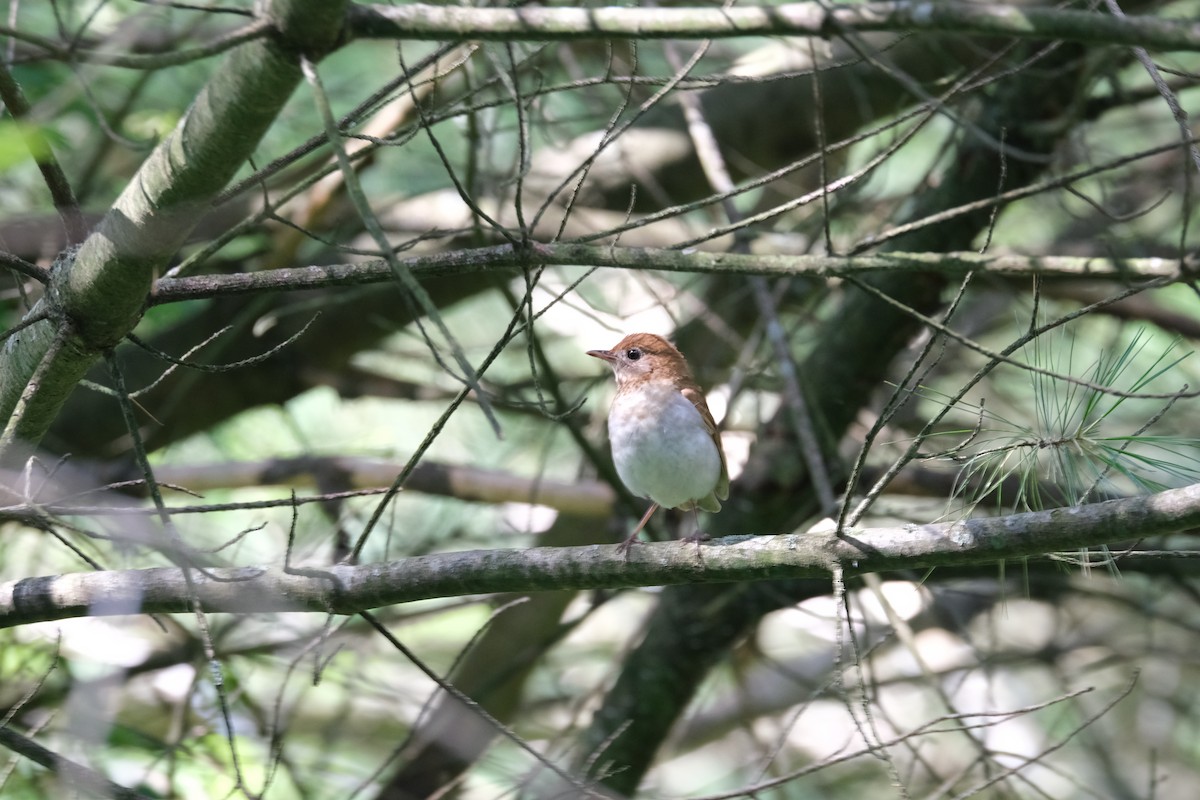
697,537
624,547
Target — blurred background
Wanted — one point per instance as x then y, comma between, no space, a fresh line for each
930,391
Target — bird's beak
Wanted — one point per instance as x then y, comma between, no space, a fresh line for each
606,355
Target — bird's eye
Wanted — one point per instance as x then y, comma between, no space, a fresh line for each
633,354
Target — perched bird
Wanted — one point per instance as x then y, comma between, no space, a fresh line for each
664,442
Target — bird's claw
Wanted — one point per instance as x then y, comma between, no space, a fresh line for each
626,546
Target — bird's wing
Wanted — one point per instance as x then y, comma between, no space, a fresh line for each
697,399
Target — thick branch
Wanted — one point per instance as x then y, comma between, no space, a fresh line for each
418,21
347,589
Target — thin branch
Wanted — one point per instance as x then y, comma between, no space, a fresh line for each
234,365
1027,190
74,776
175,542
505,256
1005,358
362,475
1164,90
20,265
402,274
478,709
63,51
947,723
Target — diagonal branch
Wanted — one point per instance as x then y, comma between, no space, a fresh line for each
102,289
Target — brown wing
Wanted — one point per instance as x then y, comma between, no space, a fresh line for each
697,399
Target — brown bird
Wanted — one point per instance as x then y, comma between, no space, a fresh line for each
664,442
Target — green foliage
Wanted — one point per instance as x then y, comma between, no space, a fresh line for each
16,139
1087,437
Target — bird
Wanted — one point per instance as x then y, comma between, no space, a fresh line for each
665,444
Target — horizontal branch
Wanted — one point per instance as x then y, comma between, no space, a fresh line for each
485,259
812,554
420,21
474,484
51,49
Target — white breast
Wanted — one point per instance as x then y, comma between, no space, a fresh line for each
661,447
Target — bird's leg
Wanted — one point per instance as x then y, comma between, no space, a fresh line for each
624,546
699,536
